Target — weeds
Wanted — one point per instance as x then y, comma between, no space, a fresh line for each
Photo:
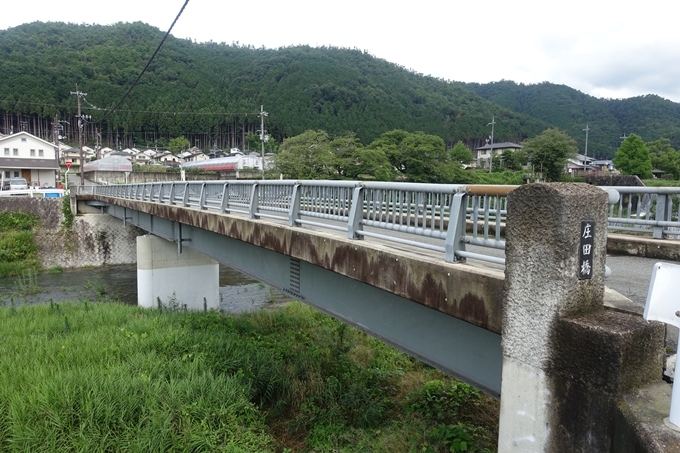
115,377
99,287
27,283
17,243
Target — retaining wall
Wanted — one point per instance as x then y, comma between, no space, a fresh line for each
93,239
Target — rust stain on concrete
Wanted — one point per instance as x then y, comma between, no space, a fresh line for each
455,289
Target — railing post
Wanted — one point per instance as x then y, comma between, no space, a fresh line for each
661,202
254,201
294,211
185,199
201,199
172,193
455,235
160,193
224,207
356,214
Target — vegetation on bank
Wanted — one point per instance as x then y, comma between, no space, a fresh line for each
110,377
17,243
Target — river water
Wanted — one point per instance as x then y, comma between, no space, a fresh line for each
238,292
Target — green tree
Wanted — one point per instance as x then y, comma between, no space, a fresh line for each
664,157
632,157
514,159
253,141
178,144
461,153
418,156
370,164
549,152
306,156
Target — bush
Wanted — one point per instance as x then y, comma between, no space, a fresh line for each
17,221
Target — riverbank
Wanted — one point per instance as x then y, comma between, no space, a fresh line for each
105,376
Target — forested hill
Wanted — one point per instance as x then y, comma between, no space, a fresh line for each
204,90
650,117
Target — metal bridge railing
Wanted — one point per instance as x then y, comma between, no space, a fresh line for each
439,217
652,210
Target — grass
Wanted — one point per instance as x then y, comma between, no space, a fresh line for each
111,377
17,243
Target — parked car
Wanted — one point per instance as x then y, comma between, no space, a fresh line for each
18,184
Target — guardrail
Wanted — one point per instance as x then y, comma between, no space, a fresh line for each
429,216
31,192
652,210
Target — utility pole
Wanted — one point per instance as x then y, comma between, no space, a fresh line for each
586,152
96,147
55,137
80,135
492,124
263,136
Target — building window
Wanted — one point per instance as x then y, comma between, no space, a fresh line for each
7,174
41,153
6,151
32,153
23,139
16,174
15,152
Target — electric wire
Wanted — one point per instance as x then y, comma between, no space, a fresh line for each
147,64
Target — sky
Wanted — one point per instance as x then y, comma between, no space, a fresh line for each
603,48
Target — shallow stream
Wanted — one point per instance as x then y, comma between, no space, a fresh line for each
238,292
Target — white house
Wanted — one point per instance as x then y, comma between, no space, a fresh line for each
27,156
483,153
167,158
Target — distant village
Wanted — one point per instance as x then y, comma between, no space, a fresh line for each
23,155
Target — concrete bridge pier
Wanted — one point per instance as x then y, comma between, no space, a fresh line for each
188,280
566,359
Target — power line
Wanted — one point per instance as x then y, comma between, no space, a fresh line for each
148,63
137,111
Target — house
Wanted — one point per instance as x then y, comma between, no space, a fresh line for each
72,155
192,156
105,152
27,156
483,153
144,157
216,153
582,165
167,158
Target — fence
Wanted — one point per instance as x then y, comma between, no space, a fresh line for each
440,217
651,210
428,216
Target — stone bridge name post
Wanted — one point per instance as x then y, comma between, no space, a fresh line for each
566,359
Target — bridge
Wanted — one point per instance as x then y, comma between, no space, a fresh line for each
491,284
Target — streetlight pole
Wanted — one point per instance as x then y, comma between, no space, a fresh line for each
492,124
586,151
262,136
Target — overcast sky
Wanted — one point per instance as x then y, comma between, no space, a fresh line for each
603,48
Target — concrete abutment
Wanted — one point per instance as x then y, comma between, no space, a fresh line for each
566,359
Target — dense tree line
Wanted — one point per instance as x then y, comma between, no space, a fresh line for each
212,92
609,120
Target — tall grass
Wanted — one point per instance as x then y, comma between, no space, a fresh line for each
111,377
17,243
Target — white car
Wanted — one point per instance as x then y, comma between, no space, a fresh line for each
18,184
